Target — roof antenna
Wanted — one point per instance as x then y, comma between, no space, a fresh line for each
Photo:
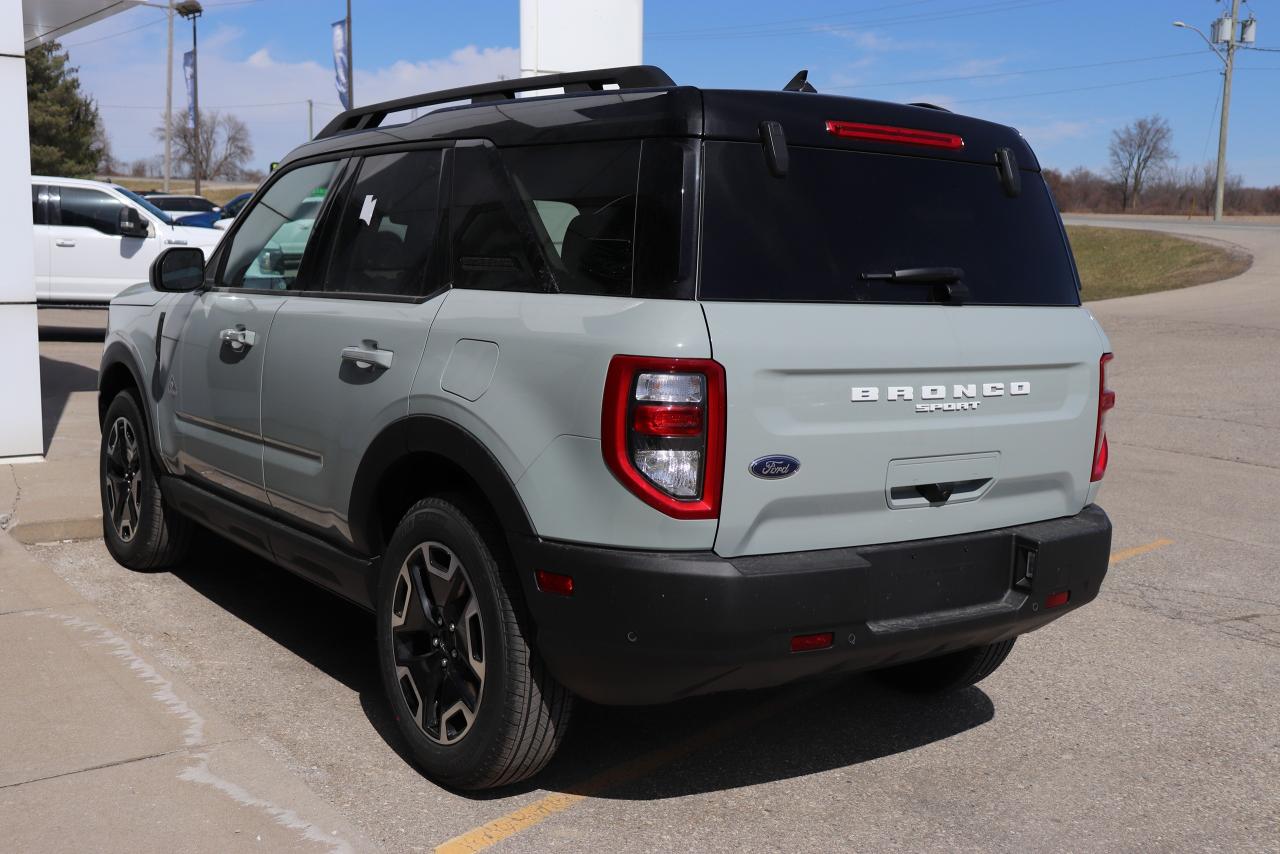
800,83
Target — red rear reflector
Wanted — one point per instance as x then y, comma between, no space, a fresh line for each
1106,402
901,136
808,643
554,582
673,420
1057,600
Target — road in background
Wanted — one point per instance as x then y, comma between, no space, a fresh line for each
1145,721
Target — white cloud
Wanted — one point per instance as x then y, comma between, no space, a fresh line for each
269,94
864,39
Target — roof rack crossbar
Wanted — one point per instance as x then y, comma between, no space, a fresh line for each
626,77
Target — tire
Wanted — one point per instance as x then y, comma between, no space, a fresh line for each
470,695
141,531
949,672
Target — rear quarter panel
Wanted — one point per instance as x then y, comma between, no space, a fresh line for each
540,413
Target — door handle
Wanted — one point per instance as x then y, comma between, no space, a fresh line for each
367,356
239,338
64,242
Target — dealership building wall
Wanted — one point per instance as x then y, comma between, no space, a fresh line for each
20,431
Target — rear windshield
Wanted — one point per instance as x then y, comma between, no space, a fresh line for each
837,216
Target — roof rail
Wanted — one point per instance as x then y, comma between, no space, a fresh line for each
626,77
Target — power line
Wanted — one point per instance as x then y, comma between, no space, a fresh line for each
120,33
213,106
906,82
1085,88
963,12
788,21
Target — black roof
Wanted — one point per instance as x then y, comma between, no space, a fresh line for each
639,108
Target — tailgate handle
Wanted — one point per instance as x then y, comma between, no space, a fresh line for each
941,493
936,493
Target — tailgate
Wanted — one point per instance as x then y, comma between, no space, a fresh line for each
908,421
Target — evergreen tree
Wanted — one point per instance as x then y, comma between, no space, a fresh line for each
62,120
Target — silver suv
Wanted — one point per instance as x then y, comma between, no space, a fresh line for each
630,392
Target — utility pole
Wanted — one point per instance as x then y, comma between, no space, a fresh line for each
168,103
351,80
310,116
1226,109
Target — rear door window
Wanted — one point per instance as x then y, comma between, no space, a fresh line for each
386,233
836,216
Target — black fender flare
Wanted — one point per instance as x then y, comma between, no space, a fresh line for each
419,434
119,353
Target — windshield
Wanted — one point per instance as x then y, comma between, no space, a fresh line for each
850,226
145,205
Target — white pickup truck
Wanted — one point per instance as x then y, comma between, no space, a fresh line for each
93,240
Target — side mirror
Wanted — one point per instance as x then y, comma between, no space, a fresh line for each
177,270
271,261
131,223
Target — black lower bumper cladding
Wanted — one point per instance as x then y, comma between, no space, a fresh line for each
648,627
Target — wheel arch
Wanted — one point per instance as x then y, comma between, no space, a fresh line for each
421,455
116,372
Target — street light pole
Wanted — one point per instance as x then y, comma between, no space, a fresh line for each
192,9
351,80
168,103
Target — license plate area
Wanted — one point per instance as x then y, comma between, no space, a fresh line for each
938,577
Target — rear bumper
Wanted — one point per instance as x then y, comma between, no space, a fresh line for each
650,627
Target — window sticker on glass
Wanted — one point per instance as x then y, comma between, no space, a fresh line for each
366,210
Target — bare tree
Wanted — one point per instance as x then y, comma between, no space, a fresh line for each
1138,151
101,145
222,150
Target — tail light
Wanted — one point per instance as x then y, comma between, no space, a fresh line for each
662,432
1106,400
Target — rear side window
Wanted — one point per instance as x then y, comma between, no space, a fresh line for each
84,208
490,242
387,230
812,235
607,224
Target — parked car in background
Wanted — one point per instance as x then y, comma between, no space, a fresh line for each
93,240
179,206
231,209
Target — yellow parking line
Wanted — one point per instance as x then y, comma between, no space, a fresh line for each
514,822
490,834
1125,554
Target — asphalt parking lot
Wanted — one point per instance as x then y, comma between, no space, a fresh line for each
1146,721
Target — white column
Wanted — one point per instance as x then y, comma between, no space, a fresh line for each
573,35
20,431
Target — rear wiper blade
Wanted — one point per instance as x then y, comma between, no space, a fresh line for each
919,275
954,290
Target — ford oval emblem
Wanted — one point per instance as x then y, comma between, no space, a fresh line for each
775,466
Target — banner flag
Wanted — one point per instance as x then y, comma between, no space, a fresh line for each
189,71
341,44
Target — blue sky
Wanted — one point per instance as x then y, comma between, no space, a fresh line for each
261,59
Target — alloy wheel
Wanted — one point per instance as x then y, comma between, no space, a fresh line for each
123,476
438,642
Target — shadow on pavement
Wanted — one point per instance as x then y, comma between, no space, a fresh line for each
58,381
829,725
